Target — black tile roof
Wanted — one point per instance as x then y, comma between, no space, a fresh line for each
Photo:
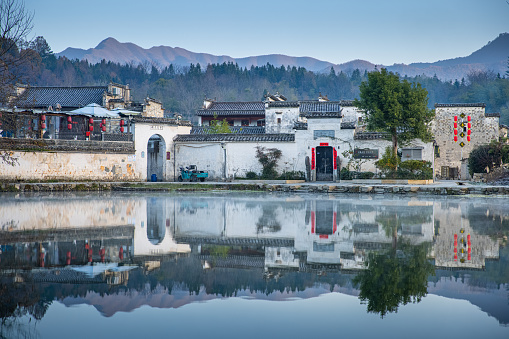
492,115
284,104
234,129
480,104
320,106
235,137
348,125
299,125
346,103
233,108
67,97
320,109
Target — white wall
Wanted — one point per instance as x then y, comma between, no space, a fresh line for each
142,132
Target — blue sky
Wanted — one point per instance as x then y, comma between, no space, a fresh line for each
380,31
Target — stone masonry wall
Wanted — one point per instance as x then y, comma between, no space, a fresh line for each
484,130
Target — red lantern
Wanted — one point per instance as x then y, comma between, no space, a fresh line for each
91,120
87,134
91,128
455,118
469,125
43,117
69,119
122,129
468,118
103,121
312,158
104,128
455,132
121,122
468,132
455,138
69,126
43,125
468,137
455,125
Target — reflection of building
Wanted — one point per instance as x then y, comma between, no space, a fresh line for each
457,244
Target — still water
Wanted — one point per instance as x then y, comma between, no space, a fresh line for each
253,265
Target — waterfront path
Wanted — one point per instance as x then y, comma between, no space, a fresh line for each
436,188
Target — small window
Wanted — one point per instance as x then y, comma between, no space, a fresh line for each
279,121
244,123
260,122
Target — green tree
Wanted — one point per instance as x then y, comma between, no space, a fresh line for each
219,127
396,107
268,158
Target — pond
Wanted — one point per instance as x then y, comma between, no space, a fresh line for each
248,265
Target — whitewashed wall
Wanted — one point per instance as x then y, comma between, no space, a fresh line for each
142,133
233,159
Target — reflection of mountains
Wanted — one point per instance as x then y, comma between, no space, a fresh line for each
194,248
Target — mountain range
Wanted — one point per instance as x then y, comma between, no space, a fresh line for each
492,57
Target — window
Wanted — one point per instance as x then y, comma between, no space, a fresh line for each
323,134
230,123
260,122
411,154
279,121
244,123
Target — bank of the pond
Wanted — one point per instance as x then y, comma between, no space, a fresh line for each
437,188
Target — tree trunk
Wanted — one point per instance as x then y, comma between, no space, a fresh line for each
395,145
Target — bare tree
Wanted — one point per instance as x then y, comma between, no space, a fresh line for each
15,26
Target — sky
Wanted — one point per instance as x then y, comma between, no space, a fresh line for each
383,32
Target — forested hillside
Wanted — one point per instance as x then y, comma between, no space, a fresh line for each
182,89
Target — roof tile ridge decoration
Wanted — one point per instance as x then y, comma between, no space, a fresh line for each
65,87
284,104
346,102
166,121
237,137
479,104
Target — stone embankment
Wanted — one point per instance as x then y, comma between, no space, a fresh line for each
444,188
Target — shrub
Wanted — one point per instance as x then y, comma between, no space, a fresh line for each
488,157
292,175
251,175
415,169
346,174
389,161
268,158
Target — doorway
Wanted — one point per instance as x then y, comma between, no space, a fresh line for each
156,151
324,163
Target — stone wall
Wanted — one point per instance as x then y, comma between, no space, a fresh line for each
484,129
69,166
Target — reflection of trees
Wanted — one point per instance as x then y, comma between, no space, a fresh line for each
268,221
398,275
394,277
16,301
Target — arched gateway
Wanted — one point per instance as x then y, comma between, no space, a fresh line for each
154,146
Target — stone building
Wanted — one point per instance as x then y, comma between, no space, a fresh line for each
458,129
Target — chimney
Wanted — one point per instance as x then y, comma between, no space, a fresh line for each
207,103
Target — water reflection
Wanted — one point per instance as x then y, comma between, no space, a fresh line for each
196,247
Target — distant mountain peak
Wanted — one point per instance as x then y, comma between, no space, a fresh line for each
493,56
